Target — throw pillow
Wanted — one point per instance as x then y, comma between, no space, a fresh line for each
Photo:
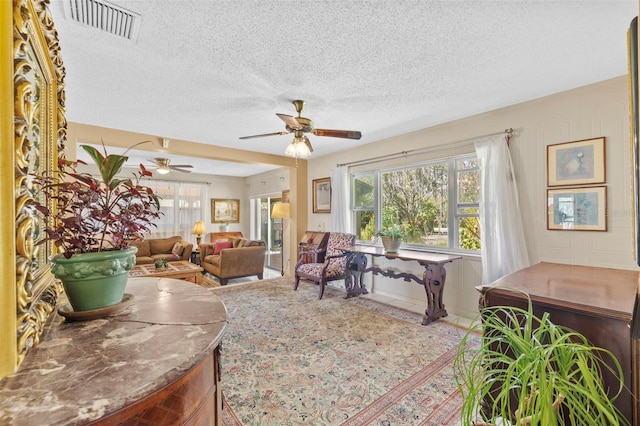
223,245
206,250
177,249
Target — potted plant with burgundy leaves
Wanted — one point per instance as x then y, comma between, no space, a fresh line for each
91,221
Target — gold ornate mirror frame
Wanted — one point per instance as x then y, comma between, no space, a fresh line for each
39,132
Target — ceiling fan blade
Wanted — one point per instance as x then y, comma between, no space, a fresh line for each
307,142
173,166
346,134
289,121
264,134
177,169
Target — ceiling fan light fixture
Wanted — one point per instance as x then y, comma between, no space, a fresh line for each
298,148
163,170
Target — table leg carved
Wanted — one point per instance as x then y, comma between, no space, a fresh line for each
433,279
356,267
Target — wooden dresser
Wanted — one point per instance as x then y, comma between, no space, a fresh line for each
156,363
224,236
597,302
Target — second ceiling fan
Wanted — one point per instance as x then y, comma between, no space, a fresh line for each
299,126
164,166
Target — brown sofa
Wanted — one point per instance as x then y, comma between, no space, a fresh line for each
172,248
242,259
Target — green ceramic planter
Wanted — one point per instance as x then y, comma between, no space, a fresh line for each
94,280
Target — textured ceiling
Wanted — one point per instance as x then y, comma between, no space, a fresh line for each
212,71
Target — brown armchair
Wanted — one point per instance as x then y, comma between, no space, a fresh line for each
240,258
334,266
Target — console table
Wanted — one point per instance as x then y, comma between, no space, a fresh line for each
155,363
433,278
599,303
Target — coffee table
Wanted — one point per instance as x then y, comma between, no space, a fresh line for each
181,270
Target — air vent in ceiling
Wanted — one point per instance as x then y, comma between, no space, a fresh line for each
104,16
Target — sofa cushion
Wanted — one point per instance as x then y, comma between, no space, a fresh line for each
178,249
214,260
164,256
222,245
142,260
206,249
239,242
163,245
144,248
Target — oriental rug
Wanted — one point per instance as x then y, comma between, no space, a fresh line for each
291,359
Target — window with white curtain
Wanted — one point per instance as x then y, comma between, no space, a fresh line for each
181,204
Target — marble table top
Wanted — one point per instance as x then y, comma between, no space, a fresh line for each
81,371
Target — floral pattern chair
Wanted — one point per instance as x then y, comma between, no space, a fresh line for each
334,266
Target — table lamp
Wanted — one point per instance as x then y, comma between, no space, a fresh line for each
281,211
198,229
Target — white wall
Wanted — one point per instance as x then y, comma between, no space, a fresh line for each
227,187
592,111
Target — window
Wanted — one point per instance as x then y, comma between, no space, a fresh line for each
423,200
468,203
181,204
364,206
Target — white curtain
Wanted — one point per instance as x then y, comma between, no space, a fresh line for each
504,248
182,204
340,212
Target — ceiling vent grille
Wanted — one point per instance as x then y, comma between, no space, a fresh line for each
104,16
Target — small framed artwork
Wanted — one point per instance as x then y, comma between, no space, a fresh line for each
224,210
577,209
285,196
576,163
322,195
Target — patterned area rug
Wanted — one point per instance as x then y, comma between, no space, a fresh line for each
291,359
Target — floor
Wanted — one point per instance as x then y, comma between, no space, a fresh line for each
412,307
267,274
417,308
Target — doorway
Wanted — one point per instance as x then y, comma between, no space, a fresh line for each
271,231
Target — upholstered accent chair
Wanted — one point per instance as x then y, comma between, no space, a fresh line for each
334,266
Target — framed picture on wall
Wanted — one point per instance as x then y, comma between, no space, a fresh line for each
576,163
577,209
224,210
322,195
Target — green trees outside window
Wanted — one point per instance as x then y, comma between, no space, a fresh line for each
423,200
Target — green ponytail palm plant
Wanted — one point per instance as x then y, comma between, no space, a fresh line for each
529,371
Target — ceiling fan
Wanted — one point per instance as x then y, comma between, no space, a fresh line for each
301,146
165,167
